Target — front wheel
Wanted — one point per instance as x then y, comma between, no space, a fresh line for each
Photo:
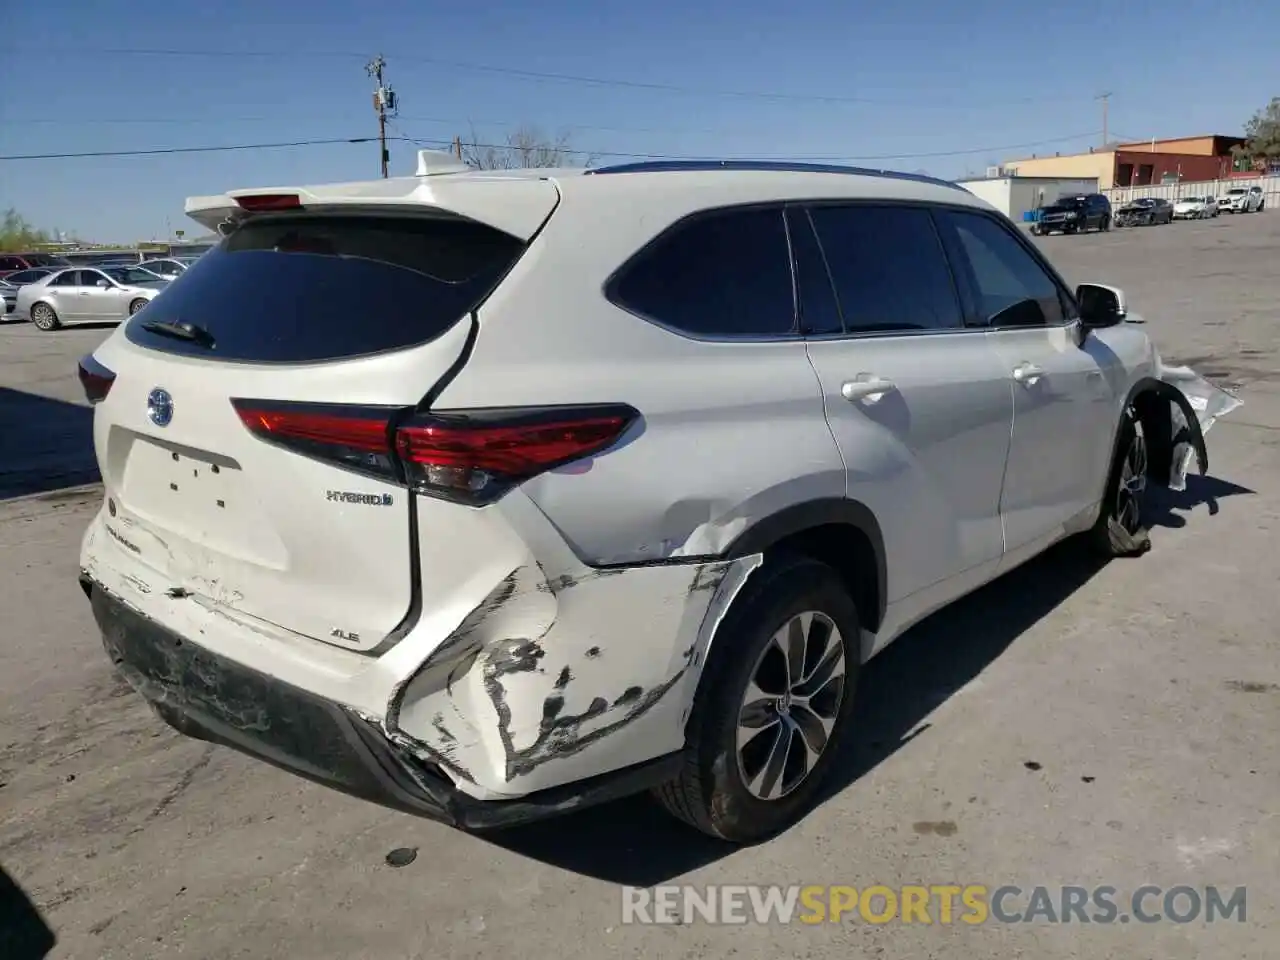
44,317
773,704
1121,529
137,305
1106,224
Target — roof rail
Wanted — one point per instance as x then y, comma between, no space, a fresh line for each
777,166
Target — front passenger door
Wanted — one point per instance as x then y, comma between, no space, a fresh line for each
1063,383
919,404
104,300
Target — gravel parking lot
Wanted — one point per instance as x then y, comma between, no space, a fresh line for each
1067,725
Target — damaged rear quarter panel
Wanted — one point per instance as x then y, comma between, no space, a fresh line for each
552,680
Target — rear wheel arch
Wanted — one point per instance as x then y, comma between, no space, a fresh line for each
840,532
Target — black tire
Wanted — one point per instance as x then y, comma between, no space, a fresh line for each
137,305
45,317
1106,224
712,793
1121,529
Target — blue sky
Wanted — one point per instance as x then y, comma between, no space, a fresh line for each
935,86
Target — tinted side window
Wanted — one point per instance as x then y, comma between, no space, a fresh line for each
721,274
11,263
889,269
69,279
1012,289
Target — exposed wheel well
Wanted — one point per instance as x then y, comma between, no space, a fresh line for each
849,551
1151,402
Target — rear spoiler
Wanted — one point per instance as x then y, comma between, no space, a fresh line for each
516,205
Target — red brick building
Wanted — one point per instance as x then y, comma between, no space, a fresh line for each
1207,157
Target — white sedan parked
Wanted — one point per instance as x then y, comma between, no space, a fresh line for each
87,294
1194,208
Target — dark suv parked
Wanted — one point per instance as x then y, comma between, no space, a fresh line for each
1075,214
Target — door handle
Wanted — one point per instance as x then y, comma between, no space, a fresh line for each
1027,374
866,387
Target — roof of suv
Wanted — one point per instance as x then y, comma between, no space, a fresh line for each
516,200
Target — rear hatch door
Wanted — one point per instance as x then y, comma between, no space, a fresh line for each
310,328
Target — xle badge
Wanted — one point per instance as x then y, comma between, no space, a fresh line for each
368,499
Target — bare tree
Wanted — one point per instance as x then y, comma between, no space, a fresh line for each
524,147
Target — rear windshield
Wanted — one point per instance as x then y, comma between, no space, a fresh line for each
304,289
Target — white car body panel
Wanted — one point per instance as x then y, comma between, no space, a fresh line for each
517,203
559,633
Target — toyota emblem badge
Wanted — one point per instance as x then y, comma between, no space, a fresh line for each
160,407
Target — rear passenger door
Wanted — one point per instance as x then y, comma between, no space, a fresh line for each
64,292
919,404
1064,384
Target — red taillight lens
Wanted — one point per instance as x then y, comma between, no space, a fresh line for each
476,458
355,433
95,379
472,458
270,201
355,437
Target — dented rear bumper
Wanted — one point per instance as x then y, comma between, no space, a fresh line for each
209,697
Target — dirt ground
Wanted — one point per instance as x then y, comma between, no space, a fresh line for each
1067,725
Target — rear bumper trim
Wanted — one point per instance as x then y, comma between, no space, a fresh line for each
209,697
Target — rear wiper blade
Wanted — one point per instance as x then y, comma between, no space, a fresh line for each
180,330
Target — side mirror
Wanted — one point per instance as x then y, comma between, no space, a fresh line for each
1100,305
102,283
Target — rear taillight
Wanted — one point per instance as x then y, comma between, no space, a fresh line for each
95,378
355,437
473,457
477,457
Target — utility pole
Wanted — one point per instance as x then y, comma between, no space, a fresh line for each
384,101
457,147
1105,98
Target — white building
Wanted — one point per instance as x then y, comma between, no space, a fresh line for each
1016,197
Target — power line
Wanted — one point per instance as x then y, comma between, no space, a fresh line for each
831,158
540,75
328,118
169,150
436,143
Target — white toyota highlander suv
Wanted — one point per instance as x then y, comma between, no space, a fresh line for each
486,496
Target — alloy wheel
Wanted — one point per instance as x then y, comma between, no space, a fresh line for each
791,705
1133,484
